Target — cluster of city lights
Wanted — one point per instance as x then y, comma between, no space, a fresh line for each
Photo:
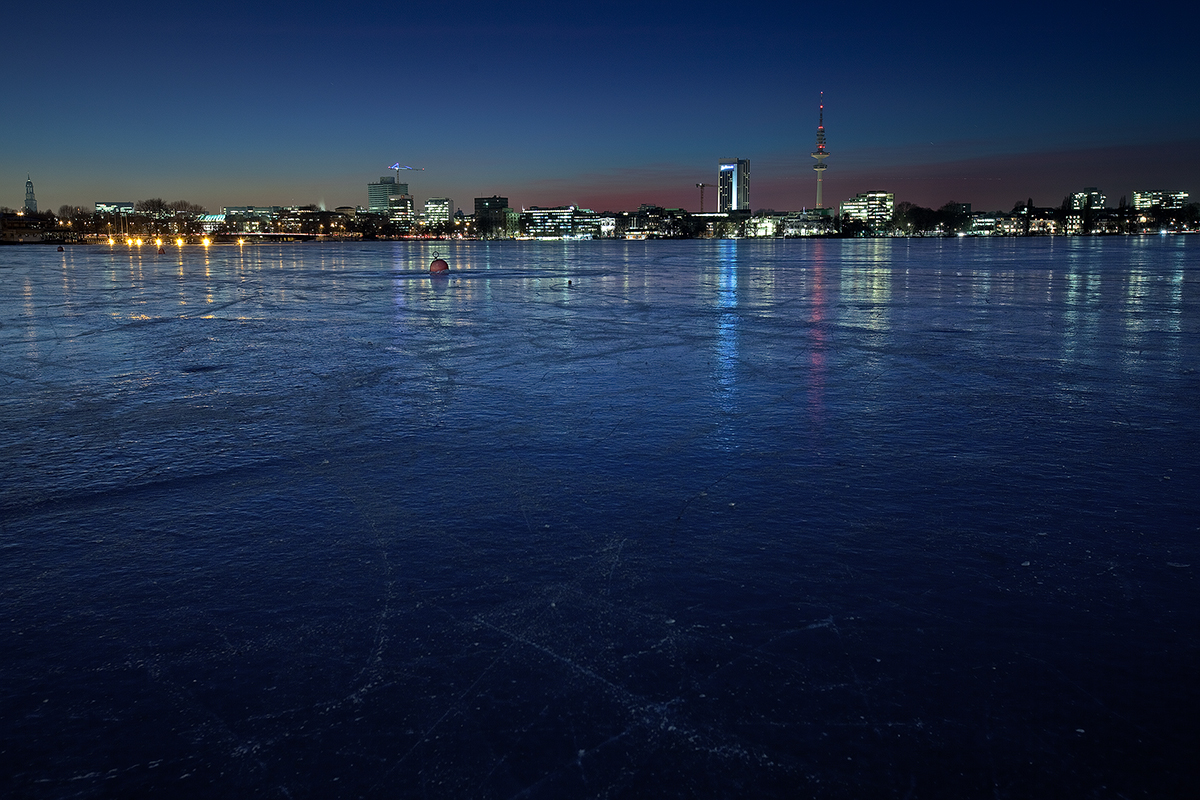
131,242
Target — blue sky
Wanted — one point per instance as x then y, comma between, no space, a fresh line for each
604,105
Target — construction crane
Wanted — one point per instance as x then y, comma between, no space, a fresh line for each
701,186
397,167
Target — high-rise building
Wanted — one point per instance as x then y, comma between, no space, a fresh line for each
1091,197
874,209
400,207
491,216
493,203
1167,200
820,154
30,200
438,209
379,194
733,185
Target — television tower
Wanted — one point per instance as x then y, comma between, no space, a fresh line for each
820,154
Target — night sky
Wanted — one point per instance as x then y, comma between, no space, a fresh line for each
605,105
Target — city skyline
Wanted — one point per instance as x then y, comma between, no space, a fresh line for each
607,109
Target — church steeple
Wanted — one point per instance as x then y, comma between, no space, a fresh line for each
30,200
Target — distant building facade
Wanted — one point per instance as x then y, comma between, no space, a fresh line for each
817,222
250,219
983,224
1165,200
493,203
400,207
561,222
210,222
1089,198
114,207
492,217
21,228
651,222
733,185
873,209
30,200
438,209
252,211
379,194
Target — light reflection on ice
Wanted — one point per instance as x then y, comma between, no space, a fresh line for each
491,537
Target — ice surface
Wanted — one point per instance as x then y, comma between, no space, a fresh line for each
770,519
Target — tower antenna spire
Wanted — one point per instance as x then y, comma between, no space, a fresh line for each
820,154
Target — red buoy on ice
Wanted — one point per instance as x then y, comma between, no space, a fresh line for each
438,265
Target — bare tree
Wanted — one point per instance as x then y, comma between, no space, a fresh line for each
188,208
70,212
155,205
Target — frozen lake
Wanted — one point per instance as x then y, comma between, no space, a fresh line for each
836,519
